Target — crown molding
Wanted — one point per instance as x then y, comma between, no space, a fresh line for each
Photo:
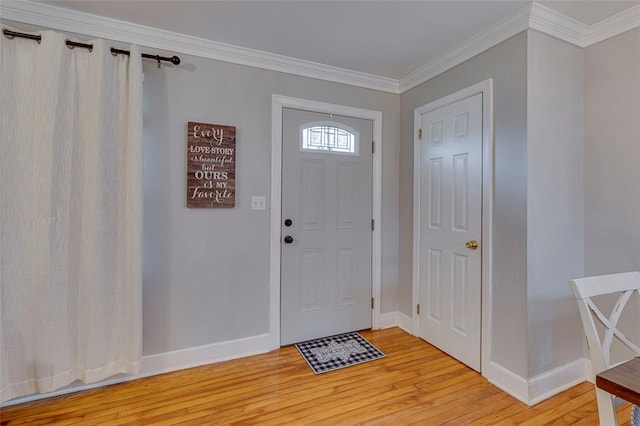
95,26
613,26
534,16
495,34
557,25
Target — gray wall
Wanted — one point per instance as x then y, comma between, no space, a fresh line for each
612,155
206,271
611,164
506,63
554,201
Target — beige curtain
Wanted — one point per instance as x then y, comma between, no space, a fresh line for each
70,214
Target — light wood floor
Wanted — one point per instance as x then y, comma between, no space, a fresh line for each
414,384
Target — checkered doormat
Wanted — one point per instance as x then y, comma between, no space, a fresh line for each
334,352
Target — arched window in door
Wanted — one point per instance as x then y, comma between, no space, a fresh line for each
329,138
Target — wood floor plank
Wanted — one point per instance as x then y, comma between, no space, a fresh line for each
414,384
511,417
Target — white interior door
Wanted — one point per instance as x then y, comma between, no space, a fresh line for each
326,225
450,227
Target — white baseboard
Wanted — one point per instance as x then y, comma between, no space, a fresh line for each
202,355
550,383
588,371
511,383
396,319
530,391
155,364
542,386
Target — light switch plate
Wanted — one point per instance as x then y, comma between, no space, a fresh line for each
258,203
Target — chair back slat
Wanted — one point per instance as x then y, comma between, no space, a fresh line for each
624,284
604,284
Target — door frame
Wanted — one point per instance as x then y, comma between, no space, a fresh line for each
486,89
278,103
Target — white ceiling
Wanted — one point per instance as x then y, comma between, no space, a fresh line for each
384,38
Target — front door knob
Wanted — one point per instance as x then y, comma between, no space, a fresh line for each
472,245
288,239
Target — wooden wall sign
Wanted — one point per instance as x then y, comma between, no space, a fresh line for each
211,165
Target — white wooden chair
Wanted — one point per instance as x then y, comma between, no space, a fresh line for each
625,284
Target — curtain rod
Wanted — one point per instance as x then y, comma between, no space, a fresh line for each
71,44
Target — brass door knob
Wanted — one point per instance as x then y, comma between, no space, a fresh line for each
472,245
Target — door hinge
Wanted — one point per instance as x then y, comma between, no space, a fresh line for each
373,147
373,224
372,303
418,309
420,134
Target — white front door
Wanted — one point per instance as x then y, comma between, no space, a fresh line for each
327,169
450,227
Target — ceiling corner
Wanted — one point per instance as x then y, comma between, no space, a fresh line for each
557,25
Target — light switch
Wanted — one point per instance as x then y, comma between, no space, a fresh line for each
259,203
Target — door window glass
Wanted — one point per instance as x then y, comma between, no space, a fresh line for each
329,138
